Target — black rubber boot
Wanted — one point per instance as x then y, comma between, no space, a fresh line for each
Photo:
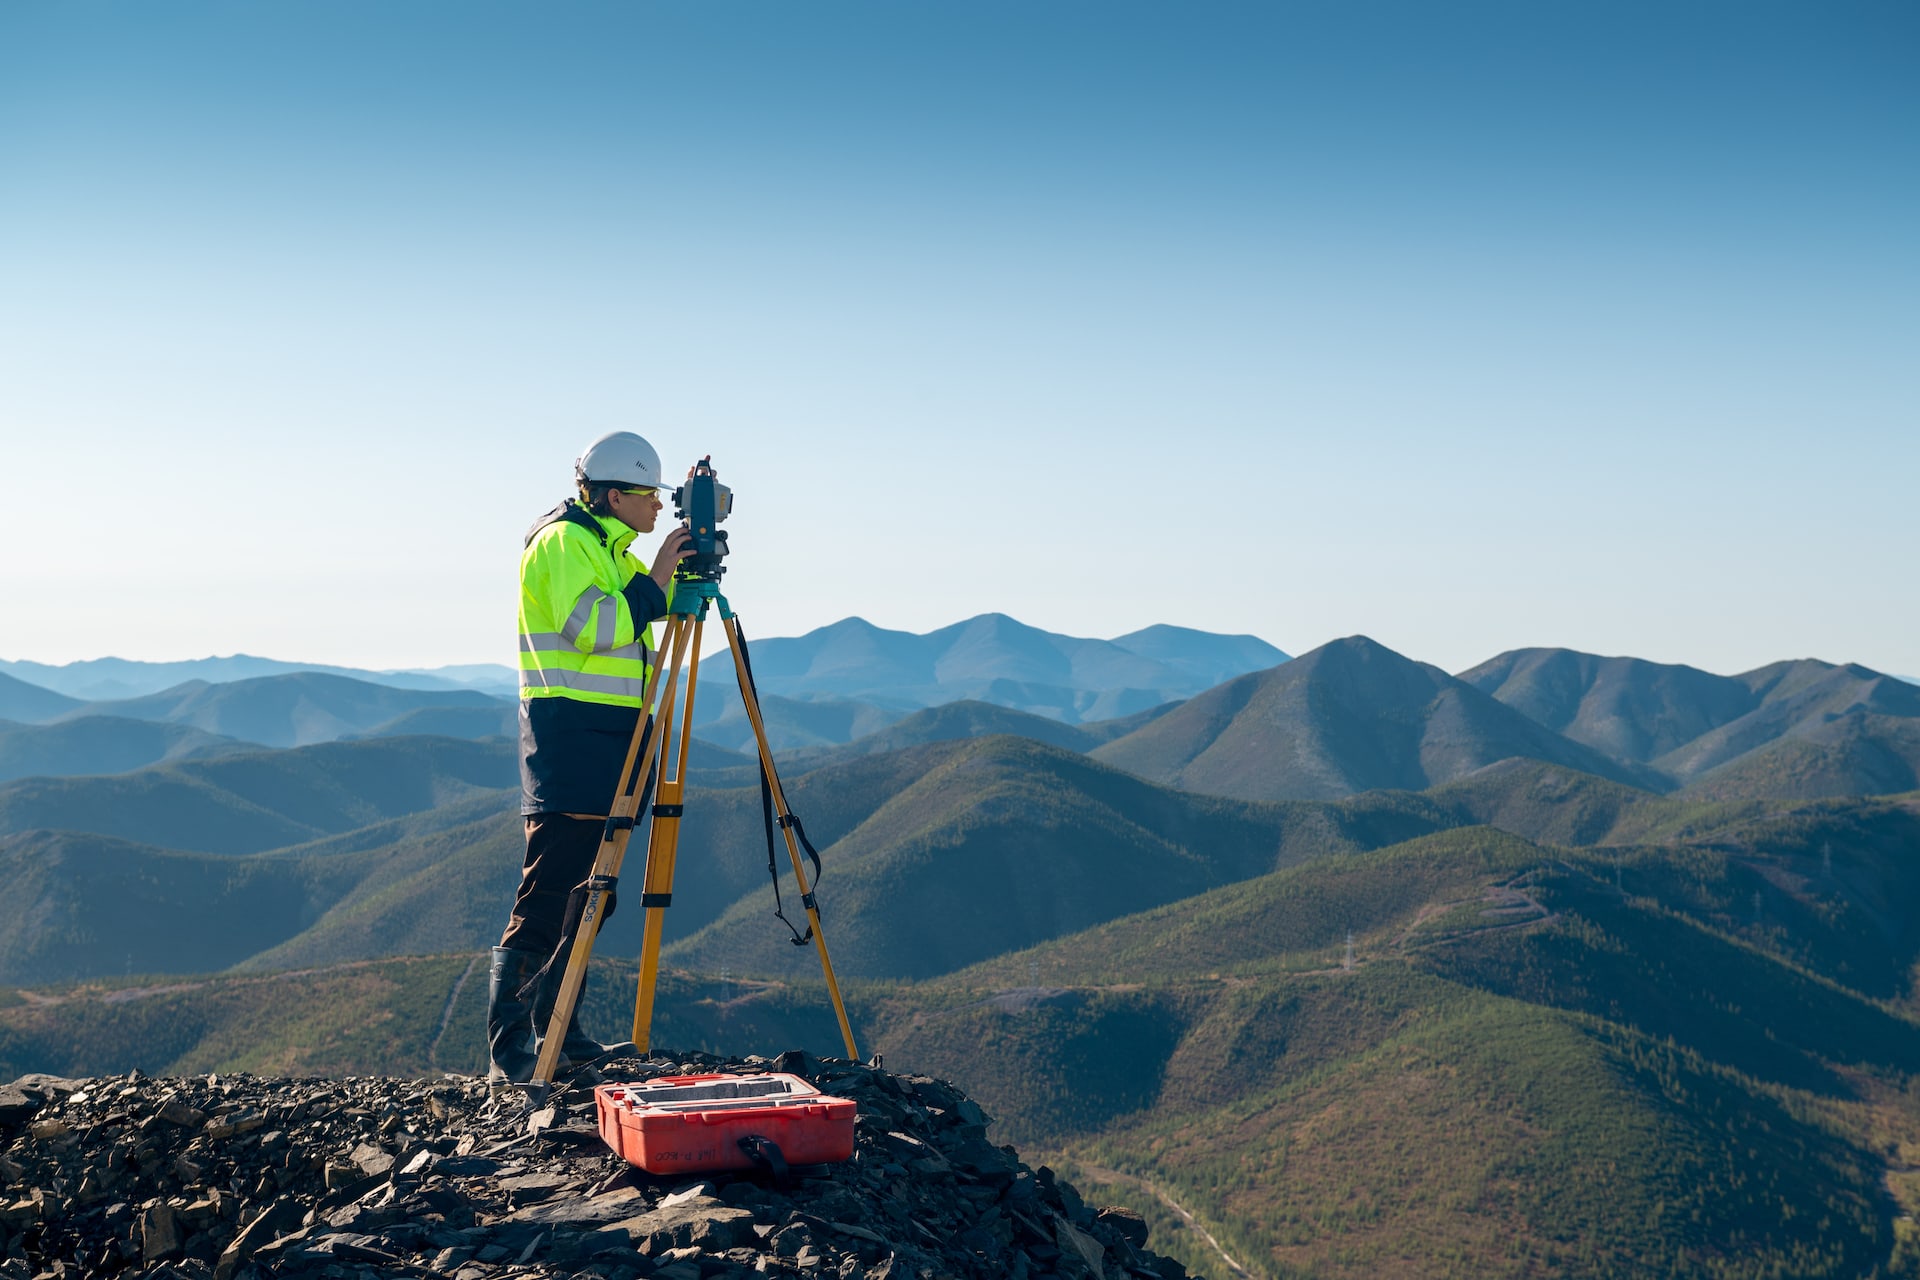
512,1051
579,1050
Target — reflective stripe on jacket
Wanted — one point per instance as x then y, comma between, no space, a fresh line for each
585,605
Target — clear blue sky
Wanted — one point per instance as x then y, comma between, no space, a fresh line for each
1466,326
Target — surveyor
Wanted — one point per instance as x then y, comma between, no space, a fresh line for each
586,651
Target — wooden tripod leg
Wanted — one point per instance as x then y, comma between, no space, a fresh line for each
752,702
663,841
606,870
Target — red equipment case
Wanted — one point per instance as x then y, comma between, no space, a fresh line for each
694,1124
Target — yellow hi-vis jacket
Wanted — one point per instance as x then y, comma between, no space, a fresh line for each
586,651
586,603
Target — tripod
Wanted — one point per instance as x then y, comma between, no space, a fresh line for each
686,618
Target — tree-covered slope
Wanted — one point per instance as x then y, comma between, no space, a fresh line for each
101,744
1519,1069
1854,754
1791,730
1533,1061
999,842
247,802
1626,707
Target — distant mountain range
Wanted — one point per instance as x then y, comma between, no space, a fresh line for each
1350,716
821,690
1092,679
1353,716
996,659
1837,723
307,707
109,679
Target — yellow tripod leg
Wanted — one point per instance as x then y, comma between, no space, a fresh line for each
606,869
752,701
664,840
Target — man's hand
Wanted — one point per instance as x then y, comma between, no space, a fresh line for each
676,548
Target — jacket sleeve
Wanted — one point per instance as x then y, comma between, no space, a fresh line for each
565,590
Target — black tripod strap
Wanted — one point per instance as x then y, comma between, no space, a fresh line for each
766,1153
789,820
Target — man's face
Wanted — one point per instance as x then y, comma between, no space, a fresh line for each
636,510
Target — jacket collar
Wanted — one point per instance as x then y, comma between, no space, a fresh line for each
620,535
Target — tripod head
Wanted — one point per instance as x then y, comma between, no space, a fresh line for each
691,596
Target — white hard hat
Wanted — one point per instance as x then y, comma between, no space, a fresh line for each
622,458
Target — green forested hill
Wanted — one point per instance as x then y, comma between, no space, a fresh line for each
1627,707
1528,1022
1797,729
999,843
1524,1071
1853,754
76,906
1350,716
936,857
1535,1060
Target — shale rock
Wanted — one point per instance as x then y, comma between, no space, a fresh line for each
241,1178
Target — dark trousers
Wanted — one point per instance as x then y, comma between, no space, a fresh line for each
561,847
560,853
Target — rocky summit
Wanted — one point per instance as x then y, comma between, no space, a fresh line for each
226,1177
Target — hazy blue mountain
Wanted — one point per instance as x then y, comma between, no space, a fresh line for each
101,679
1100,731
290,710
721,718
878,674
946,723
994,658
26,703
500,720
487,677
101,744
248,802
1206,657
1350,716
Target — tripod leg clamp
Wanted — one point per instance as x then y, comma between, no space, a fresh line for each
656,899
615,823
668,810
